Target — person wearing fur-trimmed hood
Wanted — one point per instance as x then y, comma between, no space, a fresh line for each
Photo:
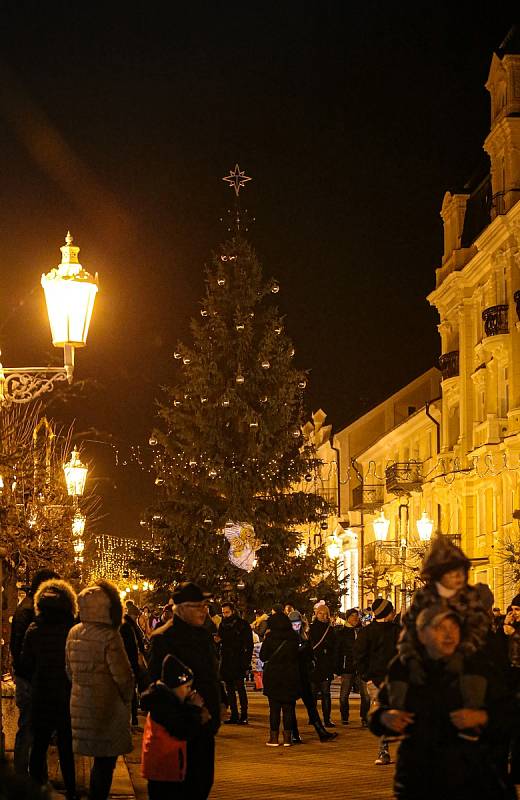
43,662
445,572
102,684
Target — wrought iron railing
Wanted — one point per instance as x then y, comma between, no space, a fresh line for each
496,320
449,364
516,298
367,497
404,477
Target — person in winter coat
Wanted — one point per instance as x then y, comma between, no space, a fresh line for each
236,648
323,640
185,637
306,664
102,684
436,757
374,648
445,571
279,652
22,618
171,704
43,661
345,639
132,648
508,635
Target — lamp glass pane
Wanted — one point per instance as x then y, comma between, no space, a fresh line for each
69,305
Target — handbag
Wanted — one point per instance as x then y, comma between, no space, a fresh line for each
163,757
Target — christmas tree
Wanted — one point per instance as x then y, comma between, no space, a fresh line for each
231,461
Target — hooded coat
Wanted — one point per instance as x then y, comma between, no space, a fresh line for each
102,679
43,652
280,654
467,604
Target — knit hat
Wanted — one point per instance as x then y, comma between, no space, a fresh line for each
295,616
381,607
443,557
174,673
433,616
516,600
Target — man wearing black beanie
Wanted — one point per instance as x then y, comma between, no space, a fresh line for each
374,648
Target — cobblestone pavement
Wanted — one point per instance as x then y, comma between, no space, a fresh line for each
246,768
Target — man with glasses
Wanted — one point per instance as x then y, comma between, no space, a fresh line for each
185,637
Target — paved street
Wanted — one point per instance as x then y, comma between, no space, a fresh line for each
247,768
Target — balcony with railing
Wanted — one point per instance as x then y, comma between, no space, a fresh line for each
368,497
495,320
516,298
404,477
449,365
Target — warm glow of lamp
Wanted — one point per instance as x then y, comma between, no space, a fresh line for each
75,474
70,292
425,527
78,524
381,525
79,546
135,587
333,550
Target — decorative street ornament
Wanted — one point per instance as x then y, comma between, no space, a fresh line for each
237,178
243,544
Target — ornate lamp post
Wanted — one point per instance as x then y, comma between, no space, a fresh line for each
381,525
76,478
75,475
424,527
70,292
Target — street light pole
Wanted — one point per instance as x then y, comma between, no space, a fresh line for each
70,292
403,535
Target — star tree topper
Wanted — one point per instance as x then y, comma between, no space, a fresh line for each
237,178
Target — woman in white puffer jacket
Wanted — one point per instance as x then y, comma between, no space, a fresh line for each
102,684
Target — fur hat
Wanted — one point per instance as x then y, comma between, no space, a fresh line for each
174,673
443,557
381,608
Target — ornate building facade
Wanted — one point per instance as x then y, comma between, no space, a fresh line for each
456,456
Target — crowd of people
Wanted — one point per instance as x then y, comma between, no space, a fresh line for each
442,681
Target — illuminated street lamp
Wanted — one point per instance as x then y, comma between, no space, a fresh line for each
333,550
424,527
381,525
75,475
78,524
70,292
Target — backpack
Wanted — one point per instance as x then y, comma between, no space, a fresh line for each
163,757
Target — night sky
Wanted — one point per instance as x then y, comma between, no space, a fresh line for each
119,123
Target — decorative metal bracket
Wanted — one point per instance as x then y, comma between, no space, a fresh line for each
23,384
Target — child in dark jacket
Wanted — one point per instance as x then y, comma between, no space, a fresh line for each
174,710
